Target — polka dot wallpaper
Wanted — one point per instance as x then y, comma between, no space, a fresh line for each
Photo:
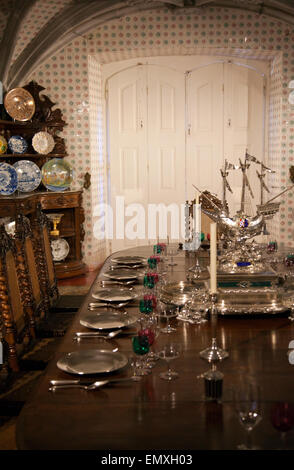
72,79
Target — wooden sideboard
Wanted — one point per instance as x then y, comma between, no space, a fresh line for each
69,203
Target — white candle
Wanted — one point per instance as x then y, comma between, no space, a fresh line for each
197,215
213,285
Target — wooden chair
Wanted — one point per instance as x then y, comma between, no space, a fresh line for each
42,247
24,240
16,320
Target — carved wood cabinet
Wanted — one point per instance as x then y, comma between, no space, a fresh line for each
69,203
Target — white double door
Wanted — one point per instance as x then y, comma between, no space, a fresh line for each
169,129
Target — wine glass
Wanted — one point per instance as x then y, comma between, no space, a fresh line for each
172,250
140,347
248,407
149,328
165,312
168,353
282,418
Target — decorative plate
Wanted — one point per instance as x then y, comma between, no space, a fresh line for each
60,249
57,174
17,144
28,175
108,320
8,179
19,104
114,295
3,144
92,361
43,143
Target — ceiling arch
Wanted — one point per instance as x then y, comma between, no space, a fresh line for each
80,16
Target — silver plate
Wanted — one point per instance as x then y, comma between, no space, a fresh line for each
121,274
129,260
108,320
114,295
92,361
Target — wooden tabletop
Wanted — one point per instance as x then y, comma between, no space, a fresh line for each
157,414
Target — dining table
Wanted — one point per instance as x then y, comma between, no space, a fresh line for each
155,414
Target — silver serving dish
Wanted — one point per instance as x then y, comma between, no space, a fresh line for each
178,293
129,260
250,301
92,361
108,320
121,274
114,295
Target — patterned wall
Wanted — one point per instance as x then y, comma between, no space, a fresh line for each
163,32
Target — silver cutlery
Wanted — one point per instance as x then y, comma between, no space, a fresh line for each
93,386
94,305
95,334
123,266
107,282
69,383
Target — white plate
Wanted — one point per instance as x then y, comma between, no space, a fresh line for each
43,143
107,320
60,249
92,361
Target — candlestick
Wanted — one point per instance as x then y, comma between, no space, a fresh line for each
213,353
213,284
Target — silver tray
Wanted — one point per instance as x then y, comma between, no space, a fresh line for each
177,293
114,295
251,309
121,274
108,320
92,361
129,260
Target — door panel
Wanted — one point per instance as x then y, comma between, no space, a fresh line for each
127,144
205,120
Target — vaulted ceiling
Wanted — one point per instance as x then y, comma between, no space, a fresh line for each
33,30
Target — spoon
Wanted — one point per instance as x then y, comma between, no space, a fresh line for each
95,334
93,386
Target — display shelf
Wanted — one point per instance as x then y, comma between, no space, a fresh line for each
31,155
68,202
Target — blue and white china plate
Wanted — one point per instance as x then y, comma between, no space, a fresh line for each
57,174
28,175
17,144
8,179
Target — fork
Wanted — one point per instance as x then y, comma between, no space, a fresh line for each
93,386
